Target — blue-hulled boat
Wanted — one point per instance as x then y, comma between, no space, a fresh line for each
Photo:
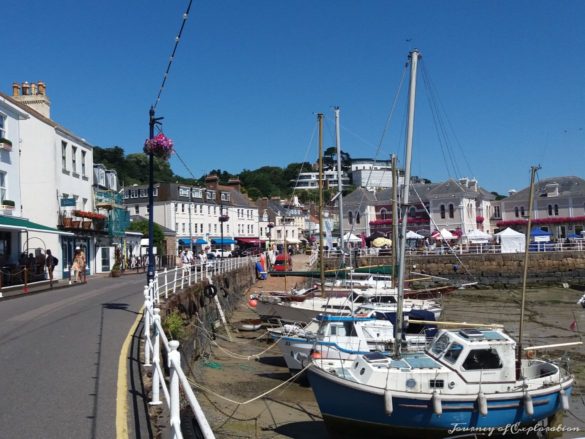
465,382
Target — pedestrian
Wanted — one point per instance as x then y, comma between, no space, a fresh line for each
82,266
50,262
74,270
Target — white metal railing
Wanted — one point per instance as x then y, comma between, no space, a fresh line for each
165,282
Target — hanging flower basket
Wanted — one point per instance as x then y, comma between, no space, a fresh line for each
160,146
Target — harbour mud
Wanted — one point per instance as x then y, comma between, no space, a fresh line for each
248,394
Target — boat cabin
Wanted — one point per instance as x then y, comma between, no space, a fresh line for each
477,355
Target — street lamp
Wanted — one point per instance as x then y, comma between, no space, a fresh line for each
150,271
222,219
270,227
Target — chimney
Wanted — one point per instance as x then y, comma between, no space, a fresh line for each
34,96
211,181
235,183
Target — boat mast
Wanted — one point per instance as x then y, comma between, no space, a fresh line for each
394,218
414,55
339,185
321,260
533,171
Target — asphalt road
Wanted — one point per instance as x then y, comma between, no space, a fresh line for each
59,353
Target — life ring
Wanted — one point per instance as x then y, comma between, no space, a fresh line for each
210,291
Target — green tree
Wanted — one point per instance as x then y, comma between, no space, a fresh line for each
142,227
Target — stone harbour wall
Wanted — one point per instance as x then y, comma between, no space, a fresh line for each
499,270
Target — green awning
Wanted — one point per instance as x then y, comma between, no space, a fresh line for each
11,223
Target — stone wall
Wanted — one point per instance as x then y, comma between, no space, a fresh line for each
200,313
496,270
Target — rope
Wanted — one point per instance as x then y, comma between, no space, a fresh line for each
205,389
233,354
172,57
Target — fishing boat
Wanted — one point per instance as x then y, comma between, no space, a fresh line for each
470,380
344,337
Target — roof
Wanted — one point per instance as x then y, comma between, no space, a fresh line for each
45,119
567,186
453,187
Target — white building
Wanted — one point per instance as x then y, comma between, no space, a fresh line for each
310,180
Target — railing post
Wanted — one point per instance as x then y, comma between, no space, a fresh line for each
175,280
174,391
156,359
166,284
147,311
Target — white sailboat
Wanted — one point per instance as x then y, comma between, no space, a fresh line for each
470,380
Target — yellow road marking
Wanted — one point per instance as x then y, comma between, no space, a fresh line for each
122,386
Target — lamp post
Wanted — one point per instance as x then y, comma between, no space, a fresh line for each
150,271
222,219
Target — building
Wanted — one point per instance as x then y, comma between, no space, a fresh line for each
373,174
310,180
55,176
559,207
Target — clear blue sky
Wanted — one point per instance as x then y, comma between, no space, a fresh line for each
249,77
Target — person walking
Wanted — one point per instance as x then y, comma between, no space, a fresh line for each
82,266
50,262
74,271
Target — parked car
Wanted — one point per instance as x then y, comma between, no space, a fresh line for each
219,253
240,252
283,262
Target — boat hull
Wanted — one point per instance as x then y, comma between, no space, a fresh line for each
348,408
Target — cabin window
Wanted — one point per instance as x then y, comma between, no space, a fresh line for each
453,353
482,359
440,344
436,384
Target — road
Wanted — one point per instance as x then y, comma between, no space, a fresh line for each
59,354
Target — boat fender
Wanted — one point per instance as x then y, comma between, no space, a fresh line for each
528,406
388,406
315,355
482,404
210,291
564,400
437,404
252,303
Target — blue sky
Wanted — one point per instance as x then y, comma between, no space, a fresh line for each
250,76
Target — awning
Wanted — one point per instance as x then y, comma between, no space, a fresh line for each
198,241
226,241
254,241
11,223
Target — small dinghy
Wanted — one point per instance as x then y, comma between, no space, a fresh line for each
250,325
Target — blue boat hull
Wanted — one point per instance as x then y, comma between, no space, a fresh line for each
348,411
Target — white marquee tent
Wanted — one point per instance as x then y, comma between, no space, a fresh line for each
478,237
350,237
511,241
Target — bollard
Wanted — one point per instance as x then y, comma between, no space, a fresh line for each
25,287
156,360
174,391
147,341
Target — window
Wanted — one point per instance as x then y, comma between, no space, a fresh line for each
497,212
64,155
412,212
74,159
442,211
550,210
225,196
482,359
516,212
453,353
383,214
2,186
83,156
556,210
136,209
350,217
451,211
201,228
357,218
182,207
2,126
522,212
196,193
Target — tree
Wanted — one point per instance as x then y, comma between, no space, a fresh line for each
142,227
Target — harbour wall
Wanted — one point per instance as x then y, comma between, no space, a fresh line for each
498,270
200,313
